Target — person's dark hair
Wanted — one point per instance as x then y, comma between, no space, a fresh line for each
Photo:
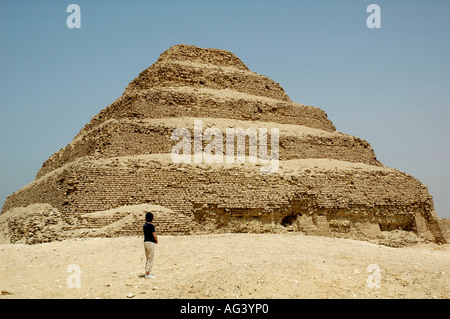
148,217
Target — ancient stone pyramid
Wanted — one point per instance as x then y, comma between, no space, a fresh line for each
327,183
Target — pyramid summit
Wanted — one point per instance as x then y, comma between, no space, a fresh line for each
119,166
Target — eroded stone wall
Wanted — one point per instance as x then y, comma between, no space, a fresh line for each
134,137
206,194
328,182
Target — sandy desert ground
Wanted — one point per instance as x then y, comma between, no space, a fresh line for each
225,266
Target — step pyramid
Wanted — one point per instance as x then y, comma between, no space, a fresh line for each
123,159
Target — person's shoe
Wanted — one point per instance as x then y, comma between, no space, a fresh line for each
149,276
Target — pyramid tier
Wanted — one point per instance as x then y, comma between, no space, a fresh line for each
189,66
126,137
333,189
185,74
209,103
211,56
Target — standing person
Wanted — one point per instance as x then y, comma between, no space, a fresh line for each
150,241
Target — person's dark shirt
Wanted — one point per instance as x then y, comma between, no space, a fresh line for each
149,229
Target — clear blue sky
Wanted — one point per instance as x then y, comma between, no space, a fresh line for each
390,86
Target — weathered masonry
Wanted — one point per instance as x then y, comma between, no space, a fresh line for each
328,183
